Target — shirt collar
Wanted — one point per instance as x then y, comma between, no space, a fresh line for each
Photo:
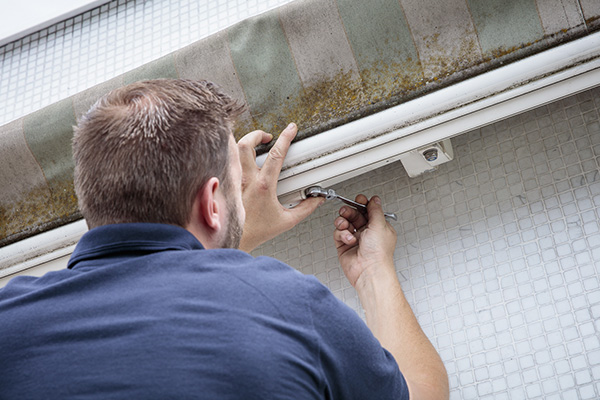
132,237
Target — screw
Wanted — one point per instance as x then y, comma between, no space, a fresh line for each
430,155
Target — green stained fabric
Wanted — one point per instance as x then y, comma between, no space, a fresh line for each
382,44
21,172
48,133
503,26
266,70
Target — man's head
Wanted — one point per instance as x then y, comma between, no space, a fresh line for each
143,152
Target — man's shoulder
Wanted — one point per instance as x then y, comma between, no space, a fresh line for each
266,273
232,261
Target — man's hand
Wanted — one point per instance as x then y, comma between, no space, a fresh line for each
365,246
265,216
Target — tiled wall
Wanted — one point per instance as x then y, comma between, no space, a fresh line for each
498,253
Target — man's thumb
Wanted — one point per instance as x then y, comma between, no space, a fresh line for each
306,207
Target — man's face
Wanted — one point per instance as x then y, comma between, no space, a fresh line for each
236,214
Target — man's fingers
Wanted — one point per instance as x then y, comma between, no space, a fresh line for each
274,161
305,208
376,217
354,216
255,138
344,237
247,144
343,224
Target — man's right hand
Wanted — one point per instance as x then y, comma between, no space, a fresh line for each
365,244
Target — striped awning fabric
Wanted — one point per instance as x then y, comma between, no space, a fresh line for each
319,63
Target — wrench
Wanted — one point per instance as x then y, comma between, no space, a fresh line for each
318,191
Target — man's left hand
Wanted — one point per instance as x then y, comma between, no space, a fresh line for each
265,216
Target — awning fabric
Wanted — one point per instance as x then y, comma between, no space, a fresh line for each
319,63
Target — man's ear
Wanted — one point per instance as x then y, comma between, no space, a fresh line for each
208,207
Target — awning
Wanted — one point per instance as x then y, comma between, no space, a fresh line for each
324,64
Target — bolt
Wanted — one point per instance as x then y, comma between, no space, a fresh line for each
430,155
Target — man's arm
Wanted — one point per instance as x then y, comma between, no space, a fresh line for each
265,216
366,249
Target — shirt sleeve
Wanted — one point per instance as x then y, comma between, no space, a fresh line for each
353,362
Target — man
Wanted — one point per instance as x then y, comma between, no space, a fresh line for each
158,303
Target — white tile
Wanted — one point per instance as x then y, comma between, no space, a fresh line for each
534,390
550,386
566,382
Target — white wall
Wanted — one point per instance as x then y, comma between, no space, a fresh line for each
498,253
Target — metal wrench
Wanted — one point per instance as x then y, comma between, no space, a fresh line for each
318,191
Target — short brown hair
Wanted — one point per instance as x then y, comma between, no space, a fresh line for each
143,151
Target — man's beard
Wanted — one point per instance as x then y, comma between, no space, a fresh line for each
235,227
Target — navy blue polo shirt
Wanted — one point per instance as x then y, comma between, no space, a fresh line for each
144,312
